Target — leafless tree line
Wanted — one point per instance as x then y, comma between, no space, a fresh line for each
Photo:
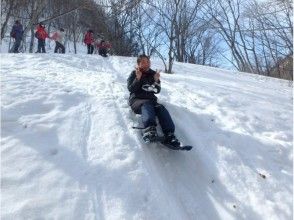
75,16
253,36
259,35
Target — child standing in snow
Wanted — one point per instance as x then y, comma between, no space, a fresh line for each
143,83
104,46
89,41
41,35
17,34
58,37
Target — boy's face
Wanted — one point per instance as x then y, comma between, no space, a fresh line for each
144,65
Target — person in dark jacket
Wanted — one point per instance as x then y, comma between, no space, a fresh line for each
17,34
143,84
89,41
41,35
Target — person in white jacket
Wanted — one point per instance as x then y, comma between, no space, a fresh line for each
58,37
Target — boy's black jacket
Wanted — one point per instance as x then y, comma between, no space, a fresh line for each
135,86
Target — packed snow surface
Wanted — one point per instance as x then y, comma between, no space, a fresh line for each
68,150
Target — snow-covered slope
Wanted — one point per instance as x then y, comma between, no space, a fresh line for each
68,150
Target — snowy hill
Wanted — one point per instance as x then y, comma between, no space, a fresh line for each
68,150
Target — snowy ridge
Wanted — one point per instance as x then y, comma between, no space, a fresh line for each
68,150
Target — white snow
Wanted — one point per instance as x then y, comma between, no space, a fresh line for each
68,150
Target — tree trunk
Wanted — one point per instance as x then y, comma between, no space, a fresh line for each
7,18
170,58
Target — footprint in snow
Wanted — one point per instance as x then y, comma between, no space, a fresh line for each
53,152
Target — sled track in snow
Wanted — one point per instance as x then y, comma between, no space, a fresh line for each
169,166
144,150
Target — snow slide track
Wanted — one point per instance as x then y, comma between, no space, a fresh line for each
144,151
169,167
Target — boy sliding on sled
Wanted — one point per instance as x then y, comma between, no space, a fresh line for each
143,83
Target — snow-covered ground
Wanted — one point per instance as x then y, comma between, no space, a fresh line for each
68,150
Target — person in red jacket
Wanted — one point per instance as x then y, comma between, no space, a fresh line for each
41,35
104,46
89,41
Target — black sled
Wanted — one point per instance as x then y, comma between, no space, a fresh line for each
160,140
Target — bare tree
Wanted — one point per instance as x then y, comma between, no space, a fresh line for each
122,27
7,7
258,34
269,35
226,17
184,36
145,32
166,21
186,26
